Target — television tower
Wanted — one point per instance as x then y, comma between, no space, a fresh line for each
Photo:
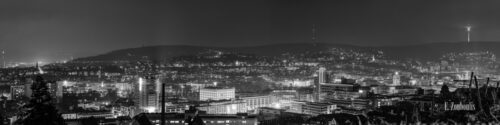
468,27
3,59
314,37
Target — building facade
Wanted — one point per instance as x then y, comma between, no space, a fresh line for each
254,102
148,89
17,92
217,93
224,107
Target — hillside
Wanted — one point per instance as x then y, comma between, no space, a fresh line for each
431,51
435,50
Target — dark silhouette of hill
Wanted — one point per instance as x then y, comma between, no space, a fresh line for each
168,51
430,51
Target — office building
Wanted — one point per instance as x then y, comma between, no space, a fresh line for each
17,92
254,102
148,94
216,93
340,91
224,107
314,108
322,75
396,79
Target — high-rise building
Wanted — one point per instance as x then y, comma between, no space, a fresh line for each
3,59
322,75
17,92
396,79
148,94
216,93
55,90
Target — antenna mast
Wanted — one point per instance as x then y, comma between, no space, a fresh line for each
3,59
314,37
468,28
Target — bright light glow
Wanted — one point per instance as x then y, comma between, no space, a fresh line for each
40,70
65,83
413,82
102,84
337,80
277,105
215,83
140,84
360,91
150,109
233,107
158,85
468,27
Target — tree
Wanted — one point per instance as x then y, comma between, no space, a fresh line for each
420,91
445,92
39,110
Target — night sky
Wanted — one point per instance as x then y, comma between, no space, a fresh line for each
42,29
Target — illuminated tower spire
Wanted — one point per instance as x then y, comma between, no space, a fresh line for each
468,27
314,37
3,59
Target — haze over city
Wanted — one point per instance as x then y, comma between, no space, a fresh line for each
253,62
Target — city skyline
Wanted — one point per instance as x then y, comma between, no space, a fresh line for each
259,62
86,28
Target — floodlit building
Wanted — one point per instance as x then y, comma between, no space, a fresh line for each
55,90
340,91
224,107
396,79
17,92
216,93
148,94
323,78
254,102
313,108
322,75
